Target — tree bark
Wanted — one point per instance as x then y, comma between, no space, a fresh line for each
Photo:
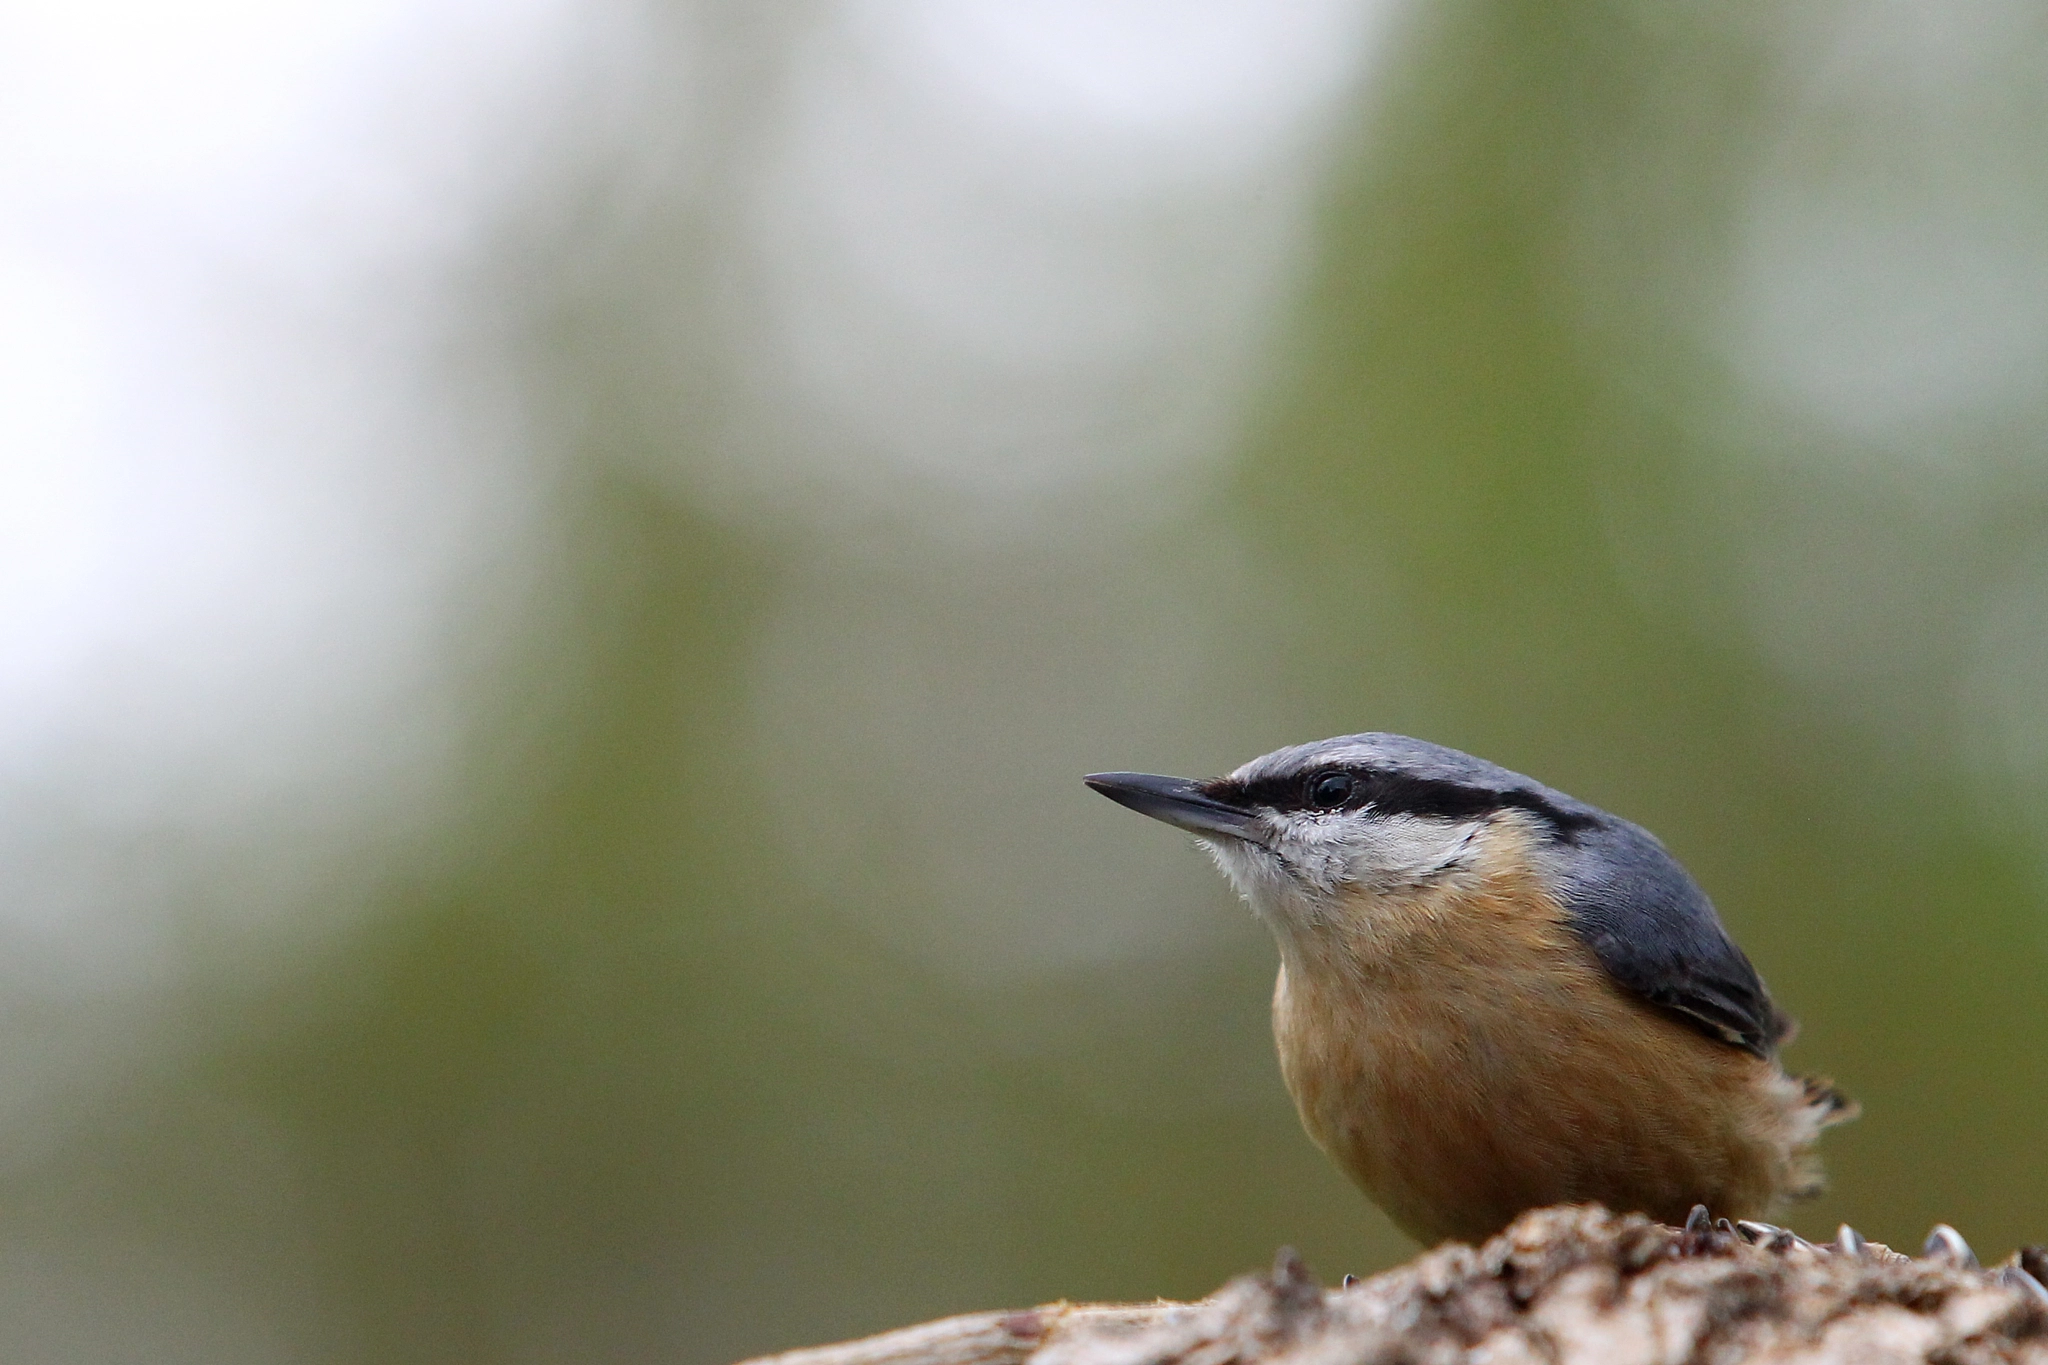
1562,1286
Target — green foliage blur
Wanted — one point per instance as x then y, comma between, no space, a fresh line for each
685,1045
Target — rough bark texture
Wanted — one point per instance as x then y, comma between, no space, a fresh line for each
1563,1286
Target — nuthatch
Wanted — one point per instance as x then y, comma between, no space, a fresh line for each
1493,996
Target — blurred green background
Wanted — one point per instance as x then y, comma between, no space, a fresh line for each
866,419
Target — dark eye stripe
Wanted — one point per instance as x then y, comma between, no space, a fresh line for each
1395,793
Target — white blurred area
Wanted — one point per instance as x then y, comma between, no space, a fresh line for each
270,502
1868,291
1008,271
267,499
1889,318
1891,271
1013,273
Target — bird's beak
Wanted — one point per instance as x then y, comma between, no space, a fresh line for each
1178,802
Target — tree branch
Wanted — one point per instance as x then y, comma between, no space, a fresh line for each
1563,1286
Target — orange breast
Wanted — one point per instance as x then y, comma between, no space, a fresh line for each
1474,1060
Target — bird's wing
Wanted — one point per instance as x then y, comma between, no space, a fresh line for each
1657,935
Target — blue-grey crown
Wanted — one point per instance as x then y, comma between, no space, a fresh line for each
1397,774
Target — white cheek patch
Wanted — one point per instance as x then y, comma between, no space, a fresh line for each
1385,852
1315,858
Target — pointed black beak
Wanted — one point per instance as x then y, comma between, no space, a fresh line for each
1178,802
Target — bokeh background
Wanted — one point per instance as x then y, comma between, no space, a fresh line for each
561,561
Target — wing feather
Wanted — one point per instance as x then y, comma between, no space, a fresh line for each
1658,936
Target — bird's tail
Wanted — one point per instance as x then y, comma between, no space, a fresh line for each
1822,1107
1829,1105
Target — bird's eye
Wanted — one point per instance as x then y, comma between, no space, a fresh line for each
1331,790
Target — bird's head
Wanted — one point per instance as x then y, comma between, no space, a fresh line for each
1323,831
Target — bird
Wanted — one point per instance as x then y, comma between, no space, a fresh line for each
1494,997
